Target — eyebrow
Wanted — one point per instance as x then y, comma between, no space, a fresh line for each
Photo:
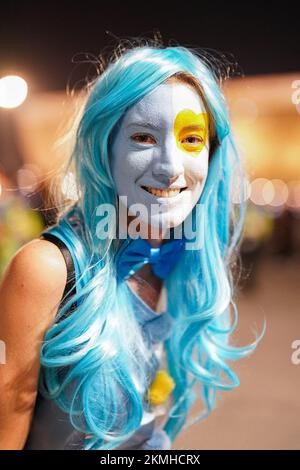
143,124
193,127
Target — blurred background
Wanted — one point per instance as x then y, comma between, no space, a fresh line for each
47,53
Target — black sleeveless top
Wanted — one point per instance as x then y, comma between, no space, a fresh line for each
70,288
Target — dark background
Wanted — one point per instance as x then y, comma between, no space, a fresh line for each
42,40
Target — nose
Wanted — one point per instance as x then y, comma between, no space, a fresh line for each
168,165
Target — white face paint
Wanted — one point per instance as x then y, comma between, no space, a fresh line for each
162,143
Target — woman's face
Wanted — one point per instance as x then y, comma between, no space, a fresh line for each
160,155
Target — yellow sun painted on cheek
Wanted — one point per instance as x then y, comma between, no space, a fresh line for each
190,130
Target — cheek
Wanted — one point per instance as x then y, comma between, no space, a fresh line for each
128,166
197,168
136,163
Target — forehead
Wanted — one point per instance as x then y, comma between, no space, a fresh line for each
164,103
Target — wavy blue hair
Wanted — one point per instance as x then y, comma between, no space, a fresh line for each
94,359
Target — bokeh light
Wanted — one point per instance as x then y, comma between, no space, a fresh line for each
259,191
27,178
13,91
293,200
281,193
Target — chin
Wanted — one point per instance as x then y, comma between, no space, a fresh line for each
165,221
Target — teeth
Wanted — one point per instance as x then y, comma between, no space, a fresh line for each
163,192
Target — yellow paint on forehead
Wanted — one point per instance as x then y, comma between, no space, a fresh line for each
190,130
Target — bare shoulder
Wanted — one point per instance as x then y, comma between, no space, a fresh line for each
30,293
37,265
36,274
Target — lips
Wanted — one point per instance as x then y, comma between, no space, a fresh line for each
172,192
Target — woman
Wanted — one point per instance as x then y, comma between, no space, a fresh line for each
147,316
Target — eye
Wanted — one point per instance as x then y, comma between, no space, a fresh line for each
143,139
192,140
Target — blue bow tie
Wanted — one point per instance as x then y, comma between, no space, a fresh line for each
134,253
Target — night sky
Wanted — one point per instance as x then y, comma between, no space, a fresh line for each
42,40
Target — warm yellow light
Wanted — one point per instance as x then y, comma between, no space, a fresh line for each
13,91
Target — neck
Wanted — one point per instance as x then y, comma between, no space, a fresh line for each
154,235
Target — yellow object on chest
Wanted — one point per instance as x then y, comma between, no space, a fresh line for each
160,388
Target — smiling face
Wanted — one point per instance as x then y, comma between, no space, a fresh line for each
160,154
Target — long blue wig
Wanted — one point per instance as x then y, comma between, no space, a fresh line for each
94,360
